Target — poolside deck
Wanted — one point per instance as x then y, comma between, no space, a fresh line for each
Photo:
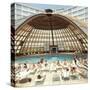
49,81
54,73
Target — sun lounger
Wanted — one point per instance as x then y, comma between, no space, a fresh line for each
84,74
40,79
74,76
56,77
32,71
52,68
65,75
45,69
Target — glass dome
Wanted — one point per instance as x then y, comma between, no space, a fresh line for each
49,33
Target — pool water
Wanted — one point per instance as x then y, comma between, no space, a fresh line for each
49,58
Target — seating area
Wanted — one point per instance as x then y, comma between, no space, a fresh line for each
49,73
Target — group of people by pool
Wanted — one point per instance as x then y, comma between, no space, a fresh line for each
60,70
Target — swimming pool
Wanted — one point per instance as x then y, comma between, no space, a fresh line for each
49,58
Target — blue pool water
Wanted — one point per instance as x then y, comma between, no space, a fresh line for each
49,58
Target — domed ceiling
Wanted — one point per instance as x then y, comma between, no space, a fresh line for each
43,33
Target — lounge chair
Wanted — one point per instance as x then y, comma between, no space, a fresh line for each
84,74
22,74
56,77
66,74
52,68
45,69
74,76
40,79
32,71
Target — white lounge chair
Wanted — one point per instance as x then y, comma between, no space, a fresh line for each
39,79
65,74
56,77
